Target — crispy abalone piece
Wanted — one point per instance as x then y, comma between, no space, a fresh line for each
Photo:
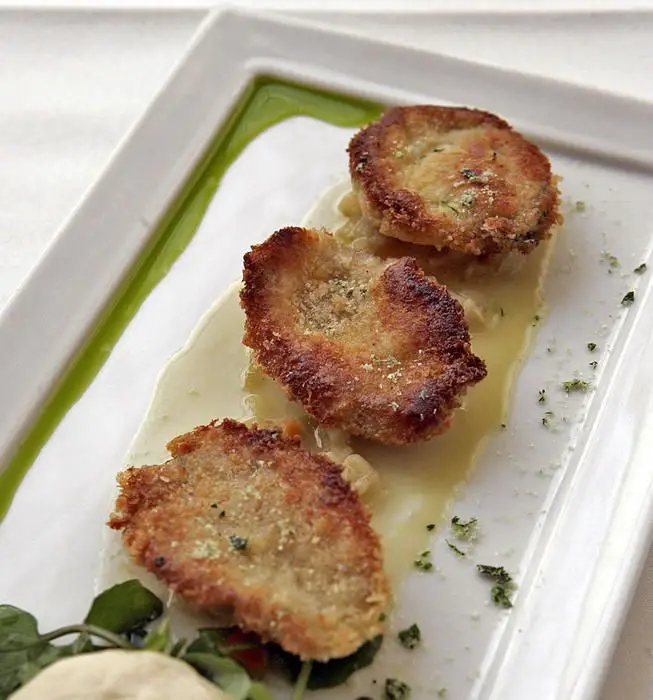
247,519
371,346
454,178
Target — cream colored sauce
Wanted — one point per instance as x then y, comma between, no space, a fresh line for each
209,379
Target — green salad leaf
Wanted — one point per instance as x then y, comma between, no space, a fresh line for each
158,639
24,652
124,607
225,672
329,674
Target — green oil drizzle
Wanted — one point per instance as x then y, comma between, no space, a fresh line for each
266,102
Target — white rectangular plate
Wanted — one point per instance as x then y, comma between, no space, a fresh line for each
570,511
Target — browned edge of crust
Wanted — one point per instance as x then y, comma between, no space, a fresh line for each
441,328
405,210
251,611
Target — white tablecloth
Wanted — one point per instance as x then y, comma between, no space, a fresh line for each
72,83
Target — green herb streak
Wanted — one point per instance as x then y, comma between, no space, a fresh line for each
456,550
265,103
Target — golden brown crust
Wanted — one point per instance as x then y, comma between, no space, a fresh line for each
370,346
454,178
310,575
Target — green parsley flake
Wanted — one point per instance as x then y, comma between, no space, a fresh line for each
457,551
423,561
580,206
467,531
575,385
396,689
442,692
541,396
500,595
503,584
546,419
592,346
496,573
640,269
238,543
410,637
594,364
398,154
629,298
430,527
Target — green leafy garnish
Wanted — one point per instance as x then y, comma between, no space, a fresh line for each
500,595
503,586
159,639
592,346
467,531
410,637
629,298
594,364
430,527
329,674
302,681
575,385
496,573
118,619
395,689
225,672
640,269
541,396
124,607
24,651
546,419
258,691
423,561
459,552
337,671
442,692
579,206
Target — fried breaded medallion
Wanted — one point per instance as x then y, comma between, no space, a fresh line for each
370,346
247,518
454,178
